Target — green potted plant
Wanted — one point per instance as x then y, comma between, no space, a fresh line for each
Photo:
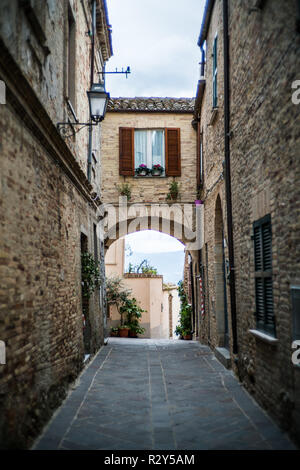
125,190
114,331
184,329
157,170
142,170
173,190
133,313
123,331
187,334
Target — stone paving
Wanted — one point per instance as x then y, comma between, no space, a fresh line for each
163,395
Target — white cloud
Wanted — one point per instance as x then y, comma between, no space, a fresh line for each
149,241
158,40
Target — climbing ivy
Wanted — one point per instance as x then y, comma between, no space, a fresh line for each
90,274
185,314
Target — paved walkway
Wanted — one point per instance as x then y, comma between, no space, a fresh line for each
162,395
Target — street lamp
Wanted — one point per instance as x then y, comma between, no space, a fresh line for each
98,99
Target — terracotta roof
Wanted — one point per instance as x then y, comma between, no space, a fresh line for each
143,104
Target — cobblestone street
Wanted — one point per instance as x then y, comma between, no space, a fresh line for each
147,394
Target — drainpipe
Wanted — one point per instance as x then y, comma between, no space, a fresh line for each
202,63
90,148
228,178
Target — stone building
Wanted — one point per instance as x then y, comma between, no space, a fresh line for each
149,132
248,172
48,210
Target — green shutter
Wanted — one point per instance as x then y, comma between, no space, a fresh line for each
262,237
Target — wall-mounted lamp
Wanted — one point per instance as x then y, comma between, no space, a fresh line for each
98,99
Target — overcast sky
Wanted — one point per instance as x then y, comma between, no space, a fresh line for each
158,40
155,242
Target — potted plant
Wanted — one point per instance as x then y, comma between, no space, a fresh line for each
133,315
173,190
114,331
187,334
123,331
184,329
136,330
125,190
142,170
157,170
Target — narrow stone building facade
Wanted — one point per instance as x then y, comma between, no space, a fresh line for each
48,211
145,132
248,170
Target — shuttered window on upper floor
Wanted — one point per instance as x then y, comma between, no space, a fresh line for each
142,146
262,235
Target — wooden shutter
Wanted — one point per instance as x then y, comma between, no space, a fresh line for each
263,275
172,143
126,151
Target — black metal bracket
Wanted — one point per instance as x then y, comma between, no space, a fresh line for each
63,127
126,72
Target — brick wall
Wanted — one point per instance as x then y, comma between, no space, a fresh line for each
147,189
264,143
265,174
45,206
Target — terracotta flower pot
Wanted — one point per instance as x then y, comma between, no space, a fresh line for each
187,337
123,332
132,334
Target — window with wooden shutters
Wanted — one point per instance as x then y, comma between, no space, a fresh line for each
172,142
126,151
262,236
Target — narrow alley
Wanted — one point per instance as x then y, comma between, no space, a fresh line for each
159,394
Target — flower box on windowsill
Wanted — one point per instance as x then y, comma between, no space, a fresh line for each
157,170
142,170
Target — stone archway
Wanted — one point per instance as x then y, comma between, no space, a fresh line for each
177,220
220,283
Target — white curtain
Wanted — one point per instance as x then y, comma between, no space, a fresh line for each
158,147
140,148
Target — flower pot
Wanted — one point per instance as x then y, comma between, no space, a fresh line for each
114,333
156,172
123,332
187,337
143,173
132,334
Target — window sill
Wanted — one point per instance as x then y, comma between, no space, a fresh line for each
264,337
150,176
213,116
